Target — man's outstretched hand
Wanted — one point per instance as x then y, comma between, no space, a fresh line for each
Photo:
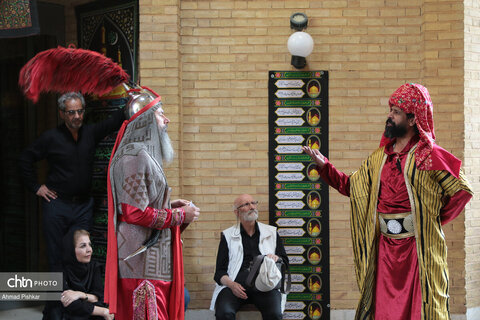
316,156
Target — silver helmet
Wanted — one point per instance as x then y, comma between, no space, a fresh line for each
138,99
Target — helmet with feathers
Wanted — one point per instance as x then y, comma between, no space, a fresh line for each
73,69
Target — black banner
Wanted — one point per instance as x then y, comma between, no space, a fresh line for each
298,116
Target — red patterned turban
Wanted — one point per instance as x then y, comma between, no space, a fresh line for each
414,98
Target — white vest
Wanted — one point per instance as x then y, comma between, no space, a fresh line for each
266,244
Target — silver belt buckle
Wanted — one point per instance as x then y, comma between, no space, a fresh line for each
397,225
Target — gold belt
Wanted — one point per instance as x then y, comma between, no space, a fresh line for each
397,225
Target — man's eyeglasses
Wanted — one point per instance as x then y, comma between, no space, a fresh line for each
253,203
72,112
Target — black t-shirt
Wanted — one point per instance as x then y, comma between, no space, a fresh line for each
70,162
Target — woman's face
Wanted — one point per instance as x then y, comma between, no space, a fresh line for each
83,249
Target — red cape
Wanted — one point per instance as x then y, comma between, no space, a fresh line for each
439,159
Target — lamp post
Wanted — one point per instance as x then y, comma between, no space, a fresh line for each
300,43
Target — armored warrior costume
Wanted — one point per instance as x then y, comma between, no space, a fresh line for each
148,285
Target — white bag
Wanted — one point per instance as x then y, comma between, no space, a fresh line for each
268,276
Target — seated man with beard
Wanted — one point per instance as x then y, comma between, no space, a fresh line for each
239,244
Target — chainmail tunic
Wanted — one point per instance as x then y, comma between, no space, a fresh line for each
138,180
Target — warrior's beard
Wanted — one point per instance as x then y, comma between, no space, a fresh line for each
394,131
166,147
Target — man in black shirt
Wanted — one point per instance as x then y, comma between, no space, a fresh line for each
69,150
238,246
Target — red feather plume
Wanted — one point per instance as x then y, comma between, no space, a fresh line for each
70,69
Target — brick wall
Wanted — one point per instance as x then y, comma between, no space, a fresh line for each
210,60
472,147
369,47
442,74
160,65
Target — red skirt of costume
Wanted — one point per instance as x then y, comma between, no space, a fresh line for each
397,292
141,299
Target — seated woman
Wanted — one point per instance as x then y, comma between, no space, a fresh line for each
83,286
